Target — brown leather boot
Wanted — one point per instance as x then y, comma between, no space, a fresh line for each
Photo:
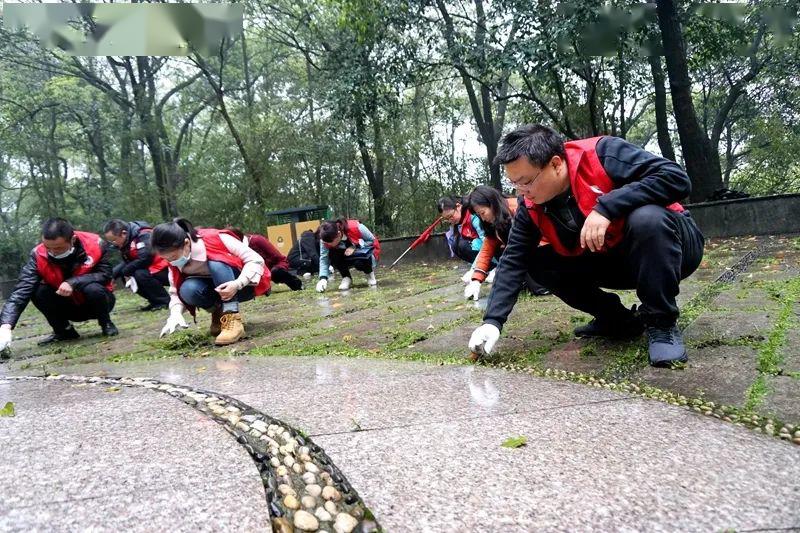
232,329
216,325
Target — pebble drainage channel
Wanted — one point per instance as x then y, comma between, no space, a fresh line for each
305,491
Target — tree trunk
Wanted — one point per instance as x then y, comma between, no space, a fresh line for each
706,176
662,118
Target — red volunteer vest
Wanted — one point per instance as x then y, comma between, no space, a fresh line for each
467,230
589,181
217,251
158,264
354,235
51,273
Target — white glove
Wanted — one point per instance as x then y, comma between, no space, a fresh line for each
483,339
322,285
131,284
467,277
5,337
174,321
473,290
490,277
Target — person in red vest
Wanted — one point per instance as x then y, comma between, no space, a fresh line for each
466,234
274,260
212,269
497,214
68,279
346,244
143,270
609,211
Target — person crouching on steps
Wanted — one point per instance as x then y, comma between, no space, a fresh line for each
212,269
346,244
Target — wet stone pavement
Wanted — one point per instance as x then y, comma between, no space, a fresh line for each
375,387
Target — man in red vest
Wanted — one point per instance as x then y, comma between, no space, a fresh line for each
147,270
68,278
609,211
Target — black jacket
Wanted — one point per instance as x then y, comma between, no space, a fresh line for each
640,178
144,257
304,255
29,280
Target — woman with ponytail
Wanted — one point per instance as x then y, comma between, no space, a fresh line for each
466,237
346,244
212,269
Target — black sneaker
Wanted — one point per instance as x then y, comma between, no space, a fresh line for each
154,307
109,329
68,334
626,326
665,346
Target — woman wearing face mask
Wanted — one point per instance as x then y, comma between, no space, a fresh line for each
497,213
466,229
212,269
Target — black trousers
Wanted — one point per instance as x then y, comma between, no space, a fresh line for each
658,250
344,263
281,275
60,311
151,286
463,249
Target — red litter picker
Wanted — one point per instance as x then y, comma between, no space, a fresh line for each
421,239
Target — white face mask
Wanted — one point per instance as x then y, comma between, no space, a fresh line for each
180,262
64,255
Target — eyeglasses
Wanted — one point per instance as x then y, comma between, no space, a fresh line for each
530,182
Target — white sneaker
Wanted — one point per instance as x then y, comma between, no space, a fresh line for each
307,275
371,281
345,284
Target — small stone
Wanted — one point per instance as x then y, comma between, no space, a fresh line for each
290,502
297,468
282,525
330,493
309,502
323,515
286,489
275,462
326,476
303,450
796,440
330,507
314,490
311,467
305,521
344,523
282,471
309,478
304,457
288,461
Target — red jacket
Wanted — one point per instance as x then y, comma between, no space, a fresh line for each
272,256
52,274
588,181
217,251
467,231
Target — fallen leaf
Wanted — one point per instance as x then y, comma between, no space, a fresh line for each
201,369
8,410
515,442
112,389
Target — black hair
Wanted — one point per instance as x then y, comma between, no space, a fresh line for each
490,197
116,226
536,142
448,202
53,228
171,235
330,229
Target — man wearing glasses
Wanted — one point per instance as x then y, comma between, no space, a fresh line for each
610,211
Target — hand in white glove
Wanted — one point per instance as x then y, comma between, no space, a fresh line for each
473,290
467,277
174,321
131,284
322,285
5,336
483,339
490,277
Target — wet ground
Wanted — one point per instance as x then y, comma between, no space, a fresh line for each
379,379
